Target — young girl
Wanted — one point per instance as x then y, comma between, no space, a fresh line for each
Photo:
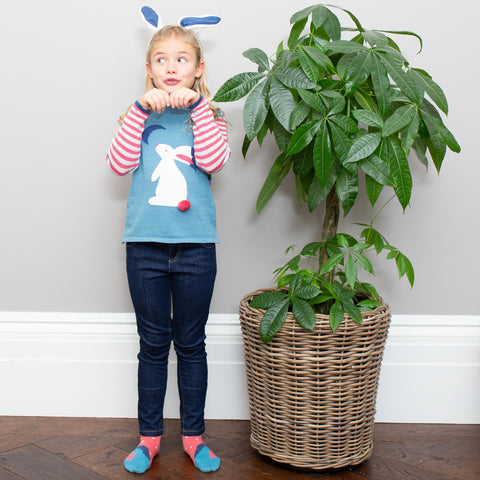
172,140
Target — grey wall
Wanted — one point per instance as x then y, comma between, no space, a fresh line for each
68,69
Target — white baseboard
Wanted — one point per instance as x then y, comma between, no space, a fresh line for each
84,364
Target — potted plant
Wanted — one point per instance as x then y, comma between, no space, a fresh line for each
341,110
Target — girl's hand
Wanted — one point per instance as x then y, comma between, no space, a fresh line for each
183,97
155,100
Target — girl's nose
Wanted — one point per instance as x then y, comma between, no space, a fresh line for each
171,66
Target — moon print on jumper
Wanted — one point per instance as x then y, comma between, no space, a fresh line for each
171,190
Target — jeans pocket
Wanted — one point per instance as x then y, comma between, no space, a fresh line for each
208,245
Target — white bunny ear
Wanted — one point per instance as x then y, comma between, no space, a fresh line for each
151,17
203,21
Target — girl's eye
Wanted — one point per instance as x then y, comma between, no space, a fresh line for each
182,60
161,60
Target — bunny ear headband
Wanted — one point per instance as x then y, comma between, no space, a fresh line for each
153,20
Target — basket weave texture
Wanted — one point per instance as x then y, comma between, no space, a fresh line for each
312,394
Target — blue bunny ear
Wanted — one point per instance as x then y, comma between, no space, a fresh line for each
204,21
151,17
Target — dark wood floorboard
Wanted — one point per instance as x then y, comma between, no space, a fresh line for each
50,448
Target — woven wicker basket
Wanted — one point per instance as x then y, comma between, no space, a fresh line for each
312,394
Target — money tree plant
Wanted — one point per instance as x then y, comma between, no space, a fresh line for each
343,104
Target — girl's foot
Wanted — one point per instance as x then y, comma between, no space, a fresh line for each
141,458
202,457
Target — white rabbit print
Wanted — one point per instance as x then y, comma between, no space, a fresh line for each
171,190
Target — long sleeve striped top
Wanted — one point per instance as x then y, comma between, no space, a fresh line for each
210,139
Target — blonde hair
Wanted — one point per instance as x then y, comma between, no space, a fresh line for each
187,36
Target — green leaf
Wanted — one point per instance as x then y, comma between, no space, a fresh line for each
381,84
332,26
295,282
401,173
343,240
299,114
405,82
256,109
312,100
335,106
405,32
319,15
311,248
399,119
296,31
363,146
345,123
267,299
347,189
293,78
353,312
331,263
364,262
273,320
259,57
307,292
238,86
309,66
341,141
336,315
433,90
375,38
358,71
345,46
409,133
282,103
365,100
368,304
405,267
300,15
303,313
302,136
318,57
373,189
373,237
368,118
277,173
245,145
317,193
303,164
282,136
447,136
351,271
322,155
368,289
420,148
378,169
436,146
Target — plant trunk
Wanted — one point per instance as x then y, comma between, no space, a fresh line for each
332,214
329,228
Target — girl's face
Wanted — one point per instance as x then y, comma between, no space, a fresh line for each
173,64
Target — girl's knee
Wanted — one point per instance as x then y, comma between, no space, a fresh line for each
192,350
154,353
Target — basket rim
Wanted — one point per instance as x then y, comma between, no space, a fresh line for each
246,299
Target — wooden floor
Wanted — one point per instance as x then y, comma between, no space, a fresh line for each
39,448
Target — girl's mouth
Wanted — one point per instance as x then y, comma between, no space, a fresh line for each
171,81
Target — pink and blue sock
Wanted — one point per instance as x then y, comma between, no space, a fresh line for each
140,460
202,457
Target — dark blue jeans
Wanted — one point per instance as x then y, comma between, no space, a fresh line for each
171,286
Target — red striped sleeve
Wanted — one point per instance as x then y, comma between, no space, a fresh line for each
123,156
210,138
